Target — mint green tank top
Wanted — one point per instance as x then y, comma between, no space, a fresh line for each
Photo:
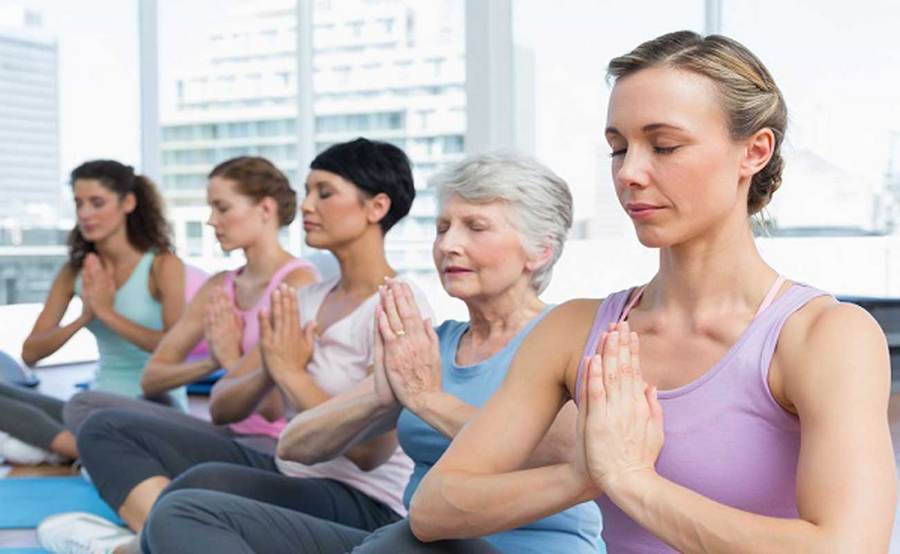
121,362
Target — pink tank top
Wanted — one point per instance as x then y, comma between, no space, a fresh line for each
726,437
256,424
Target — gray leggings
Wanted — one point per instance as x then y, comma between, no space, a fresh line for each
207,521
37,419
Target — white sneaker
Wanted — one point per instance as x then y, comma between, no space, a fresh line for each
18,452
81,533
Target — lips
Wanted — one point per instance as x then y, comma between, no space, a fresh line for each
456,270
309,225
640,210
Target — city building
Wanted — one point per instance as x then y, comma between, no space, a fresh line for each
29,120
391,70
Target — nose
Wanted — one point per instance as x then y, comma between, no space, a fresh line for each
307,205
211,220
631,169
449,242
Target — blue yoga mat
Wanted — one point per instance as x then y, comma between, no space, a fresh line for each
22,550
26,501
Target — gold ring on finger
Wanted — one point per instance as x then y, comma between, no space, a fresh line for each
401,332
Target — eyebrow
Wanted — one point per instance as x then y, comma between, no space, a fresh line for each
650,127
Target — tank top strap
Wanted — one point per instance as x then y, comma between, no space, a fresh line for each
140,275
774,319
609,311
770,296
282,272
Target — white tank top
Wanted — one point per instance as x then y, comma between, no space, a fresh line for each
341,359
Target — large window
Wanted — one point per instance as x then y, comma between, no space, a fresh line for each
68,93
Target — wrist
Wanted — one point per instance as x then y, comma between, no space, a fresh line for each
627,482
104,314
425,404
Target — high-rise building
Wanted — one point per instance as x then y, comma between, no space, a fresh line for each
391,70
29,120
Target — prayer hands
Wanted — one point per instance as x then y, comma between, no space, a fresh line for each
223,329
409,345
286,347
620,421
98,288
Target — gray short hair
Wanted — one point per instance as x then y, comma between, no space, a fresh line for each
540,200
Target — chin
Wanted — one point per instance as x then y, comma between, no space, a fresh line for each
653,239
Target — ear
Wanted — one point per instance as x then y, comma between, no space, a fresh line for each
377,207
758,150
129,203
543,258
269,208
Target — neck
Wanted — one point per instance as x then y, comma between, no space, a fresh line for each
722,266
363,264
115,249
264,257
505,314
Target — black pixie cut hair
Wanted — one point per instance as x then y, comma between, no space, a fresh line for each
374,167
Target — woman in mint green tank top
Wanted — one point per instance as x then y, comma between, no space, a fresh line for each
131,286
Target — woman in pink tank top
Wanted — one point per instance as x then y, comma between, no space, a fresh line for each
250,201
721,408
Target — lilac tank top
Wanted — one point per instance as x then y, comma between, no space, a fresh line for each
256,424
726,437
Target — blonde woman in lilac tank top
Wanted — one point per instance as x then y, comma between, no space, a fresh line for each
721,407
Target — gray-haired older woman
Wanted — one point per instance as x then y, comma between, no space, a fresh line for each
502,224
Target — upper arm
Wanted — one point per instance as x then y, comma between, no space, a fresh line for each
187,331
504,432
836,372
168,275
58,299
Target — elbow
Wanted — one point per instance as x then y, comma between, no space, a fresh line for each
149,385
29,356
293,450
425,525
218,415
420,525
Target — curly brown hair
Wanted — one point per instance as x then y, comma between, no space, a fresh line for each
146,226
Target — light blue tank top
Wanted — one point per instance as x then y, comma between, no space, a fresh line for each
121,362
575,531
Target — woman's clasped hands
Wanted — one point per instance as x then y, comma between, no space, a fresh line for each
620,420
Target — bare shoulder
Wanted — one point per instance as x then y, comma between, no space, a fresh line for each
559,339
829,344
66,276
167,267
214,282
824,324
301,276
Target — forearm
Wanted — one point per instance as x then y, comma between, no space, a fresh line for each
301,390
450,505
333,428
142,337
690,522
444,412
159,377
40,345
234,398
448,414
